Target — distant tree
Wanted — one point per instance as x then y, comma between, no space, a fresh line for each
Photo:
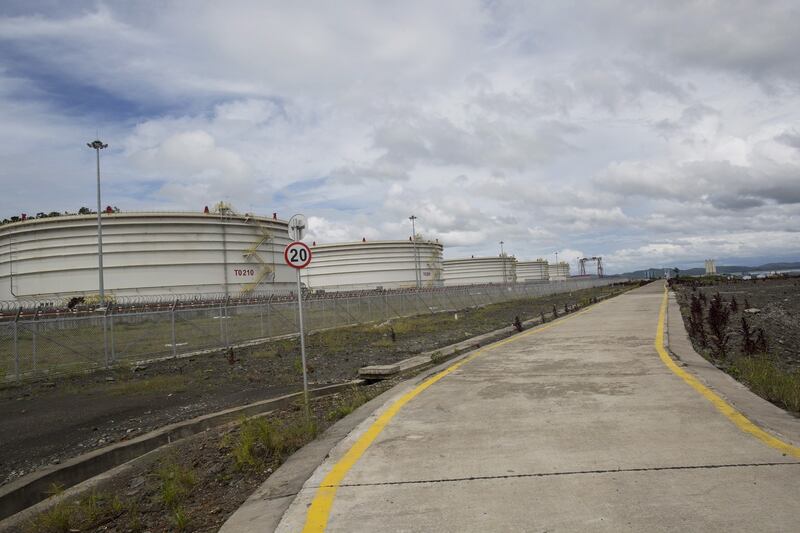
84,211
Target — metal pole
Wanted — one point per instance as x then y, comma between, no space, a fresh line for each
98,145
33,340
416,255
16,343
111,331
172,321
105,336
302,344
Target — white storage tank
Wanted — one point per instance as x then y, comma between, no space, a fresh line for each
559,271
144,254
478,270
374,264
538,270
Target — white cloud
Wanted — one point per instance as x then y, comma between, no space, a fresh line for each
659,133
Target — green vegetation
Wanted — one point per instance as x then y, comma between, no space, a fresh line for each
260,440
76,515
175,482
769,381
353,401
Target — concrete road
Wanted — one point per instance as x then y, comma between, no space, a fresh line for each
578,427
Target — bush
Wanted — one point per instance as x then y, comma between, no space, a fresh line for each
718,316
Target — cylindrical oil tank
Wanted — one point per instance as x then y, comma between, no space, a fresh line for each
374,264
144,254
538,270
477,270
559,271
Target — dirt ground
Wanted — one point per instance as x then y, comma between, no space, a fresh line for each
46,422
197,483
777,302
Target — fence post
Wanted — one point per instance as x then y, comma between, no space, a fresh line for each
111,332
225,328
33,340
16,343
221,331
172,323
105,334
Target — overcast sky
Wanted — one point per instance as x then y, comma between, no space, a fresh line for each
648,135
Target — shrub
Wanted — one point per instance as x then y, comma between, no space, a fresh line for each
718,317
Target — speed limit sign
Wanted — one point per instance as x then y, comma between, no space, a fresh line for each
297,255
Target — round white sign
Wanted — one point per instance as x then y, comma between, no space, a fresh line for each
297,254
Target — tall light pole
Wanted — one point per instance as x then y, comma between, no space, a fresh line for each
413,218
503,259
557,274
99,145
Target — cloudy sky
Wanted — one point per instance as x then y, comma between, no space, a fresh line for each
648,135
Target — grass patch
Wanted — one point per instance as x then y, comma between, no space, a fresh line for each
176,482
769,381
76,515
354,400
260,440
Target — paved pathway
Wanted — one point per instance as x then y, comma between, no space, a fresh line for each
577,427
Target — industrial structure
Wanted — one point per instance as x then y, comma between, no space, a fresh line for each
144,254
476,270
374,264
711,267
597,260
538,270
558,271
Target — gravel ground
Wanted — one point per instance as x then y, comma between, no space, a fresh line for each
46,422
775,308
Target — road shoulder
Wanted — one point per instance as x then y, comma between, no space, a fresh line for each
761,412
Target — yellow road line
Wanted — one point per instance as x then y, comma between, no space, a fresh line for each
320,509
724,407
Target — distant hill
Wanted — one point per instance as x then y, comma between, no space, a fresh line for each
721,269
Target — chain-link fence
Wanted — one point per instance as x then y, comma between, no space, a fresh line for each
35,346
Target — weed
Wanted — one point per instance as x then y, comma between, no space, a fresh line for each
355,399
91,506
748,344
438,357
718,317
767,380
61,518
542,319
696,322
256,438
176,482
383,343
555,311
181,519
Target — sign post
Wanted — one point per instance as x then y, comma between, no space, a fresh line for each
298,256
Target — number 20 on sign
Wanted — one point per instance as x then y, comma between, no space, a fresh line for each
297,255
